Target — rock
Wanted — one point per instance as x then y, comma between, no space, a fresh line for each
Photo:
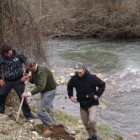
81,126
28,125
35,134
58,82
57,93
136,134
78,136
72,132
37,121
53,71
103,106
47,133
3,117
67,128
79,121
71,74
61,80
100,76
67,72
10,108
11,122
12,117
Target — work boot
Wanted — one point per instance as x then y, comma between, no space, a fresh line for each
2,108
89,139
30,120
95,138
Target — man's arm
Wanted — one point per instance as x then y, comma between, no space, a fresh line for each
1,62
22,57
70,91
100,84
70,88
2,83
41,83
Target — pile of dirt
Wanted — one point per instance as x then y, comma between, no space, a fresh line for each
56,132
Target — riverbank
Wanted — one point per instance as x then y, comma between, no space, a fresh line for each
73,125
26,131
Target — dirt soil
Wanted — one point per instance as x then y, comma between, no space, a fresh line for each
56,132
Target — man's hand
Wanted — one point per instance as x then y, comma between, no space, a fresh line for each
24,78
96,97
73,99
2,83
24,95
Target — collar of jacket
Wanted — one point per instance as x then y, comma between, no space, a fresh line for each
36,66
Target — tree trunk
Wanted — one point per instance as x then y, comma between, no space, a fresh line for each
1,24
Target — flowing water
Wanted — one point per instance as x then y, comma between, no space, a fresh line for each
119,62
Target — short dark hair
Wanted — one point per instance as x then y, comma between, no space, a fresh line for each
5,48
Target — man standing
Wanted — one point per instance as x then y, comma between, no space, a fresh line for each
43,79
11,76
89,88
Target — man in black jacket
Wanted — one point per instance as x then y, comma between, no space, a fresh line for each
89,88
11,76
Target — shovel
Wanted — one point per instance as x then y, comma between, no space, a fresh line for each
19,110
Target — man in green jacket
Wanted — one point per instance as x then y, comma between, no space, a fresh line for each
42,77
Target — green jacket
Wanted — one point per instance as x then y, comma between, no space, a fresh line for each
43,79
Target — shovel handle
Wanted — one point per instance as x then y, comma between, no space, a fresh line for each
19,109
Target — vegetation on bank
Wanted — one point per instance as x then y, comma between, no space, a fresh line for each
105,132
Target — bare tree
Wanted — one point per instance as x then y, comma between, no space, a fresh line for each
18,27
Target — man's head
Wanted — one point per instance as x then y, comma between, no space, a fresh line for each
30,65
7,50
79,69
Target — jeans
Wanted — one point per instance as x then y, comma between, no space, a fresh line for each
45,108
19,87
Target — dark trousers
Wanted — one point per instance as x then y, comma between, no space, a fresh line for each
19,87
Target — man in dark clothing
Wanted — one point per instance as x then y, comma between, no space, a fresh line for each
89,89
11,77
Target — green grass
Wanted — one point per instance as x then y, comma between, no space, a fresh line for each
105,132
65,119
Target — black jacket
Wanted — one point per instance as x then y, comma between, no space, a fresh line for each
86,87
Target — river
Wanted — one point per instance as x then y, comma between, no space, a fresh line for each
119,62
